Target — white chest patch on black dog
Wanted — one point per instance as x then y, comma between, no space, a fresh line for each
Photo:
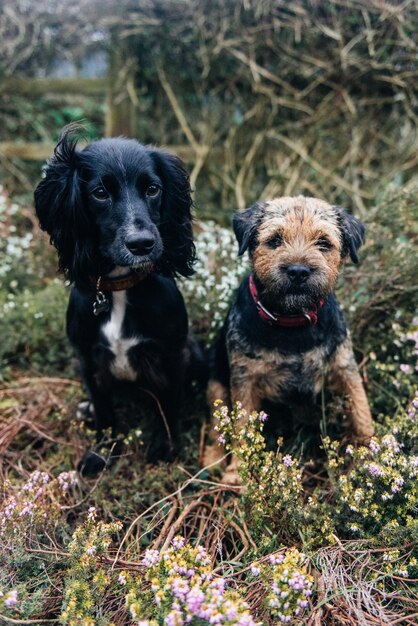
119,345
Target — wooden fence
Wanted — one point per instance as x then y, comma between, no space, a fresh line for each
117,90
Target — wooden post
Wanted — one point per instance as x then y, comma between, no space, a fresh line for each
121,100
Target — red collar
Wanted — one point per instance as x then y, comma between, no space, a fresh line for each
120,283
310,318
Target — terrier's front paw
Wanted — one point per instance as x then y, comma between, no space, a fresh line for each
212,455
231,476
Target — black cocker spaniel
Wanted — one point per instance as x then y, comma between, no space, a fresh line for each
119,214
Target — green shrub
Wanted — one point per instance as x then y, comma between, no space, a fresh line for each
32,327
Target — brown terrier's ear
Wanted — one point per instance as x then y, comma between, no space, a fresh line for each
245,225
352,233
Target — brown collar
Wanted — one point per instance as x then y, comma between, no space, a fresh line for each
120,283
308,318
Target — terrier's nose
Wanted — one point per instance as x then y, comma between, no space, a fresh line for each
298,273
140,245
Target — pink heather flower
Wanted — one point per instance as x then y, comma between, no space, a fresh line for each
255,571
67,479
122,578
405,368
180,588
287,460
221,439
91,550
202,556
174,618
178,542
91,513
150,558
11,599
230,610
245,620
396,487
219,584
276,559
375,470
263,416
195,599
374,446
391,444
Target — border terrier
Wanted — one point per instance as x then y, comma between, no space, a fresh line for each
285,334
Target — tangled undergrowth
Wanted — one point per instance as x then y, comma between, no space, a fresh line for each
324,533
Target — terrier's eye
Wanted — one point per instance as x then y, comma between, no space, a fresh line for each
153,190
100,193
324,244
274,242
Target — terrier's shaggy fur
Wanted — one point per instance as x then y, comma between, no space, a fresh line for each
266,350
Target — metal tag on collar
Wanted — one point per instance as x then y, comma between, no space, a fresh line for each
101,304
309,318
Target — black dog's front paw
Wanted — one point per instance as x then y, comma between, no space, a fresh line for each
92,464
161,449
85,413
95,461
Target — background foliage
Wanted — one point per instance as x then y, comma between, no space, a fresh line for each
261,98
269,97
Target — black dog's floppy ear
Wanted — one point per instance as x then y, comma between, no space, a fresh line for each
245,224
176,218
353,233
58,201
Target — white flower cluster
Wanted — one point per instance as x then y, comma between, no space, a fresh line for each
12,245
218,273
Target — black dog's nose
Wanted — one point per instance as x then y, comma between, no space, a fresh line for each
298,273
140,245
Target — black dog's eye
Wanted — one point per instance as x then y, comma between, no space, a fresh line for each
153,190
274,242
100,193
323,244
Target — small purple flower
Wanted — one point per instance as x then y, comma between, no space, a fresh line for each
397,484
276,559
287,460
91,513
195,599
405,368
174,618
375,470
245,620
374,446
180,588
178,542
150,558
11,599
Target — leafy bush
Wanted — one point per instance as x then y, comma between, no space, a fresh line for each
32,326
